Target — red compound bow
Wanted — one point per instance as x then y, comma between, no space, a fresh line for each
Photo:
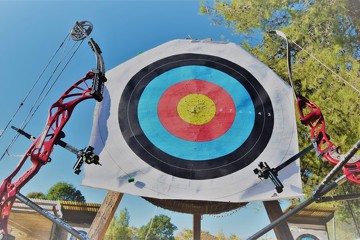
91,86
311,116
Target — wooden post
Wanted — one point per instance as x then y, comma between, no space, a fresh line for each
196,226
104,216
282,231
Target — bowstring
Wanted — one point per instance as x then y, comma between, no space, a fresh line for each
41,96
328,68
32,87
319,61
40,101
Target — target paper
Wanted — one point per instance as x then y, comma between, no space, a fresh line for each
191,120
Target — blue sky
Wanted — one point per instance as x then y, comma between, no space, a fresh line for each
30,31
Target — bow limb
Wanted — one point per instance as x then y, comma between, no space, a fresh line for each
81,31
288,57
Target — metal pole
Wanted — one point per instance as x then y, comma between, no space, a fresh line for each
299,207
51,217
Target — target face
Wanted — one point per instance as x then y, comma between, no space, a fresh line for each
192,119
195,116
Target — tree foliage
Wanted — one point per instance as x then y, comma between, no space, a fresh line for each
60,191
322,33
113,231
37,195
345,228
64,191
187,234
160,227
119,227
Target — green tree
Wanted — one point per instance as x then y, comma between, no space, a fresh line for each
133,232
220,235
344,228
119,227
64,191
185,234
124,219
160,227
113,231
37,195
320,32
205,235
233,237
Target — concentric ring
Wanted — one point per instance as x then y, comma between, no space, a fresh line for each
198,122
245,140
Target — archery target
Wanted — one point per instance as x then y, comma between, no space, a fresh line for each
192,120
195,120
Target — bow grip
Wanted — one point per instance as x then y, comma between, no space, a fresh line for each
97,87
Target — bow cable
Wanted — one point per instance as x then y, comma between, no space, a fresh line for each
33,86
43,93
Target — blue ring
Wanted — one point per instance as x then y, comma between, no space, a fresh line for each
177,147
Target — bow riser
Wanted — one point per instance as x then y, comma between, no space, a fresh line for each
39,152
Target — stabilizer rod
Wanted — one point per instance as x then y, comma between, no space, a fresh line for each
84,155
59,142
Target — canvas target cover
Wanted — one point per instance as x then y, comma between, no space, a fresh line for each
191,120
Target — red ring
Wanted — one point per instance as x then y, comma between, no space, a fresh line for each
221,122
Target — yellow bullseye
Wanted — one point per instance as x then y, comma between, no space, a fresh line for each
196,109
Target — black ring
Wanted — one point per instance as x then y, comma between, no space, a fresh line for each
199,169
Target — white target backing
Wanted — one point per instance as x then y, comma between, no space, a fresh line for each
192,120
